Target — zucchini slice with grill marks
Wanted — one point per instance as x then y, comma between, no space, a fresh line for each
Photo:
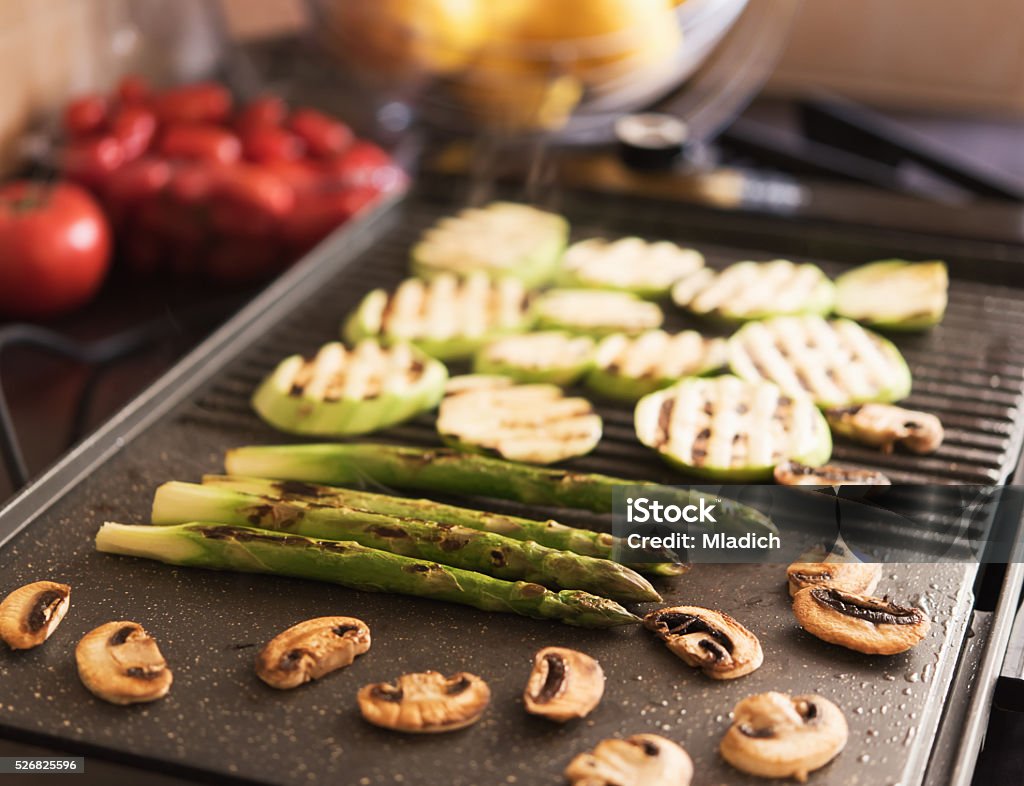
628,368
531,423
448,317
501,239
340,392
894,294
726,429
630,264
595,312
549,356
756,290
836,362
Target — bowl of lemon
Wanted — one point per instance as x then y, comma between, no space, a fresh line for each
520,66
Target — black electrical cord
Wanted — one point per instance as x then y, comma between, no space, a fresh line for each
97,354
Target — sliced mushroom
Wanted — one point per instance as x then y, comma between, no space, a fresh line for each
885,425
30,614
640,760
563,685
793,473
311,649
857,577
425,702
119,662
874,626
778,736
709,640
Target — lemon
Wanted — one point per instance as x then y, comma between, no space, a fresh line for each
404,37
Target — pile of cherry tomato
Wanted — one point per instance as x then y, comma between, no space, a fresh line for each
195,186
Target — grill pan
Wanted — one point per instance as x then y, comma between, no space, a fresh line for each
220,723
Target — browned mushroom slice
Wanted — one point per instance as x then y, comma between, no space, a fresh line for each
311,649
425,702
857,577
30,614
793,473
563,685
640,760
709,640
777,736
885,425
874,626
119,662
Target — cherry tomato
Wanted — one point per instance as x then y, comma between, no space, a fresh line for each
263,112
324,135
193,183
85,116
134,127
204,102
317,215
267,144
200,142
303,176
249,201
55,247
90,161
132,90
134,184
364,164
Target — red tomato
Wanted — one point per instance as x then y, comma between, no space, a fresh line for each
134,127
324,135
263,112
317,215
256,189
365,165
204,102
134,184
303,176
55,247
200,142
133,89
90,161
193,183
266,144
85,116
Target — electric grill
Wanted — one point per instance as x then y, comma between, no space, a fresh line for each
916,718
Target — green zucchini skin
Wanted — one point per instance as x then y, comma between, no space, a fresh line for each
536,268
898,389
301,414
577,276
815,455
562,375
876,276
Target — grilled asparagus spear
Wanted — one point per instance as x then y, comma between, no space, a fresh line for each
449,544
451,471
226,547
546,533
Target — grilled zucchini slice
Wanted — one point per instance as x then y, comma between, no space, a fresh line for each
629,264
500,239
448,317
341,392
756,290
531,423
549,356
724,428
628,368
836,362
595,312
894,294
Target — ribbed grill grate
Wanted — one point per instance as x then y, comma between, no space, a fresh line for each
969,370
